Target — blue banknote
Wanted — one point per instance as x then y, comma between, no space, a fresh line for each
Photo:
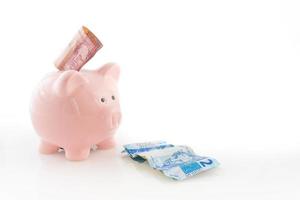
133,150
176,162
188,169
171,157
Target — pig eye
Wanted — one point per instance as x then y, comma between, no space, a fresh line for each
102,100
113,97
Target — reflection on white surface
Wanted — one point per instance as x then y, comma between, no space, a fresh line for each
106,174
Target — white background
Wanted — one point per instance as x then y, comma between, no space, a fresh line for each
219,76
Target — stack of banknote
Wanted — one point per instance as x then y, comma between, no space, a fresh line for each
177,162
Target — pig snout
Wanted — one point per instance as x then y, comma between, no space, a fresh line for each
115,119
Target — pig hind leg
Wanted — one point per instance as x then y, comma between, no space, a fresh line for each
107,144
47,148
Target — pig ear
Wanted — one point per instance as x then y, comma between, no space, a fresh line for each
110,69
68,82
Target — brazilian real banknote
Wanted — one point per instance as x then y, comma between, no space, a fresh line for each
191,168
135,149
177,162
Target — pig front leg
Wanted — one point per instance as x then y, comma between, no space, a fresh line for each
47,148
77,154
107,143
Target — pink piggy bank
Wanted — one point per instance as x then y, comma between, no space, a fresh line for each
75,110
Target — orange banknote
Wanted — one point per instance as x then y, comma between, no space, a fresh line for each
80,50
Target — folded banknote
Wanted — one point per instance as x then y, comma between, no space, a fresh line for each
187,169
134,149
177,162
80,50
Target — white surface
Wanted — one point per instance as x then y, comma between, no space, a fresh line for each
252,174
220,76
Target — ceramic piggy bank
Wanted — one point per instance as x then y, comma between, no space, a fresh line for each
75,110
